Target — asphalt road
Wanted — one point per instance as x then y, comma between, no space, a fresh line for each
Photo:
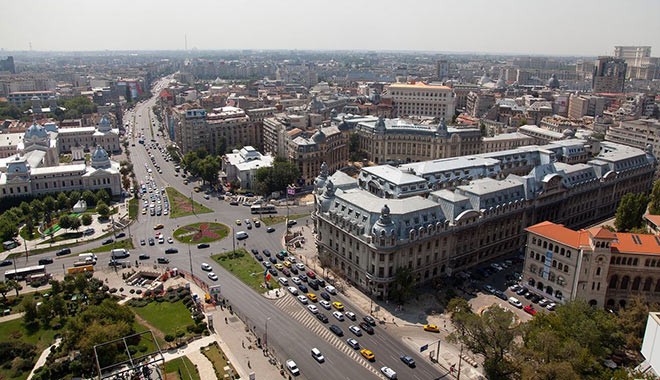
292,329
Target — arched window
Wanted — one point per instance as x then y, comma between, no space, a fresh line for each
598,271
624,283
614,281
549,290
593,303
647,284
539,285
558,295
636,282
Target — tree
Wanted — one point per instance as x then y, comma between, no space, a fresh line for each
630,212
8,228
276,177
654,203
86,220
4,289
103,210
491,334
75,224
403,285
89,197
50,204
64,222
102,196
30,310
632,321
62,201
126,183
209,168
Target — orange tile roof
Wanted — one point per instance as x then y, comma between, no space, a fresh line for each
636,243
655,219
560,234
602,233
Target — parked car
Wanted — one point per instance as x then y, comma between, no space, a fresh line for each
370,320
5,263
321,317
515,302
163,260
143,256
529,309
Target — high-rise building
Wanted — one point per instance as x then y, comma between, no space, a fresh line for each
7,64
609,75
442,69
585,105
420,99
633,55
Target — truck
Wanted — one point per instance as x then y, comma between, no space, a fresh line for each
119,253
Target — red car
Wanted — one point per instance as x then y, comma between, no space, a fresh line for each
311,274
529,309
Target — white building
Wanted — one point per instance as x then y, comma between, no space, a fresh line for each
242,165
420,99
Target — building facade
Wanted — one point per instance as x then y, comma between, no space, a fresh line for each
442,216
601,267
242,165
420,99
609,75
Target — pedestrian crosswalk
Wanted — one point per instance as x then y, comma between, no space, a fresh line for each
299,312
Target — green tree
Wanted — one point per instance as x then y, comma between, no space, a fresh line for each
62,201
102,196
632,321
491,334
30,310
74,197
654,202
4,289
75,224
25,208
50,204
630,212
103,210
403,285
86,220
64,222
277,177
209,168
8,228
89,197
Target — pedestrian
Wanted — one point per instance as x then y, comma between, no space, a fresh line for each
249,366
243,343
226,322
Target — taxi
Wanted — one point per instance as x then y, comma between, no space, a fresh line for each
368,354
338,305
431,328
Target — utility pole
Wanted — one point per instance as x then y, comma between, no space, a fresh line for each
190,259
460,359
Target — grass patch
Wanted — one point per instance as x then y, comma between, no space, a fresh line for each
180,205
205,232
181,368
25,235
125,243
15,303
167,317
16,330
270,219
218,359
62,237
133,208
245,267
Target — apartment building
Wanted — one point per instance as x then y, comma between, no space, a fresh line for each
420,99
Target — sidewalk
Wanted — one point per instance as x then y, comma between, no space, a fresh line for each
42,358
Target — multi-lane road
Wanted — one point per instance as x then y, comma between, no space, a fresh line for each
292,329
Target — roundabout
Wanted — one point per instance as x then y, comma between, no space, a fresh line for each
203,232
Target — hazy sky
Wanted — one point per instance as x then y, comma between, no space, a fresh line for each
568,27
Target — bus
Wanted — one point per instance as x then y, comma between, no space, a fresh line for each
23,273
80,269
263,209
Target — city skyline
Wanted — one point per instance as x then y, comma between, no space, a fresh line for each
511,27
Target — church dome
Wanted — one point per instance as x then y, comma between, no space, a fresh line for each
328,194
100,158
568,133
553,82
104,124
384,226
35,131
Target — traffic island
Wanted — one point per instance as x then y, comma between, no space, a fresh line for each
204,232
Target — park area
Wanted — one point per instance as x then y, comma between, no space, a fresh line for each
245,267
180,369
182,205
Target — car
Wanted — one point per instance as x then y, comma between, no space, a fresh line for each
353,343
338,315
282,280
143,256
410,362
331,289
267,264
536,298
279,266
203,245
350,315
292,290
5,263
45,261
159,227
514,288
163,260
300,266
161,240
254,251
325,296
355,330
321,317
367,327
142,242
287,263
431,328
551,306
281,255
529,309
294,270
388,372
206,196
530,295
321,282
368,354
213,276
171,250
266,253
273,260
291,222
206,267
515,302
272,271
337,330
311,274
313,309
496,266
233,203
270,229
500,294
312,297
369,319
303,288
317,355
544,302
89,231
489,289
296,280
338,305
106,242
302,277
170,240
241,235
120,235
292,367
238,222
258,258
325,304
286,272
522,291
303,299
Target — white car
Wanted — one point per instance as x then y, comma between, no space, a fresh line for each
213,276
283,281
544,302
293,290
331,289
313,309
170,240
303,299
300,266
388,372
350,315
355,330
551,306
296,280
338,315
515,302
292,367
317,355
514,288
325,304
496,266
206,267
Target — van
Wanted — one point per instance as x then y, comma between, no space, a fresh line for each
317,355
88,257
119,253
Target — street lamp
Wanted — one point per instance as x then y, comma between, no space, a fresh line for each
266,334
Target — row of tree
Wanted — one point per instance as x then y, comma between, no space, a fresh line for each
276,177
201,164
